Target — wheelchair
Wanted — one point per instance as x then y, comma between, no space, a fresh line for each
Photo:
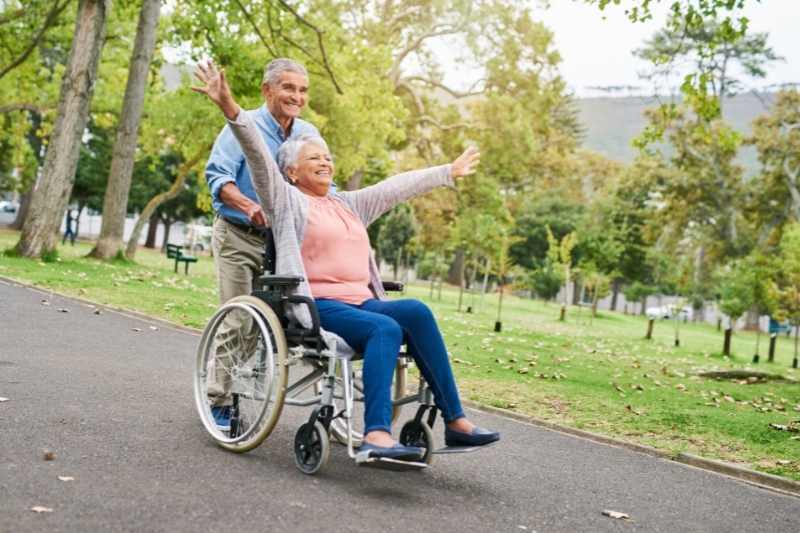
262,342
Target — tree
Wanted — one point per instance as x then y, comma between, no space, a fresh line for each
699,50
775,195
559,254
638,292
52,193
546,281
397,229
785,288
736,296
693,17
115,202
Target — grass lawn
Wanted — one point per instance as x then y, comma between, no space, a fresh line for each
598,375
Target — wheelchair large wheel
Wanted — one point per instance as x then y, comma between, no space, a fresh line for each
311,447
338,427
242,353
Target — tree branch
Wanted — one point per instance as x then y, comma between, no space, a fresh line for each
249,18
51,18
435,31
444,127
10,108
445,88
316,30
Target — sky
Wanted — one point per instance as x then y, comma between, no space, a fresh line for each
596,47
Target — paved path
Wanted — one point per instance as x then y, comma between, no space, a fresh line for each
115,405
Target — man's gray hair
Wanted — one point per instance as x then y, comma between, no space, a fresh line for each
290,150
276,67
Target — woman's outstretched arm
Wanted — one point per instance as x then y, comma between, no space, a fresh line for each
371,202
267,178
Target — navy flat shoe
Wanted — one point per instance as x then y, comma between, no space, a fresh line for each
398,451
478,437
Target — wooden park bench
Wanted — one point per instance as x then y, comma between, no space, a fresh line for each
176,252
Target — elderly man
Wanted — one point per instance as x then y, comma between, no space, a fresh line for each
238,241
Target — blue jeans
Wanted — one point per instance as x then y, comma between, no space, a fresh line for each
377,328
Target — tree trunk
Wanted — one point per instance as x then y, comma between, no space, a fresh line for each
461,286
51,194
157,200
577,288
649,334
726,346
354,181
456,271
115,202
22,212
614,294
152,231
167,227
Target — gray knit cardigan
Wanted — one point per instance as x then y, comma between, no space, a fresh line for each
287,207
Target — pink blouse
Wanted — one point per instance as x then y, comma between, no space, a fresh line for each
335,252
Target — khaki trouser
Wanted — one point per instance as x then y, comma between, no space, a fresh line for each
238,257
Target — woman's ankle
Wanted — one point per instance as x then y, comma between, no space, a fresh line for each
461,424
379,438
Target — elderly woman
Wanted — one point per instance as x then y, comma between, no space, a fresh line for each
322,236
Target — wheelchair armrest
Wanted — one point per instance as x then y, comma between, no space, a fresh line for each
279,281
392,286
312,310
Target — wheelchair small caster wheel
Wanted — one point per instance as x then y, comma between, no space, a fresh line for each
311,448
418,434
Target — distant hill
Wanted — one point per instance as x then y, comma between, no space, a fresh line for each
612,122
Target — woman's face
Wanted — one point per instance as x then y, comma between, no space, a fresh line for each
313,171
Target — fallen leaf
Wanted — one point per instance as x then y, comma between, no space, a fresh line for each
680,387
4,399
634,411
66,478
522,370
40,509
153,328
136,329
63,310
48,455
617,514
45,302
784,462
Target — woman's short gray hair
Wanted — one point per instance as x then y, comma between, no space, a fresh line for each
276,67
290,150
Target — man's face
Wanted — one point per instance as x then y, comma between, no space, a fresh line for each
286,98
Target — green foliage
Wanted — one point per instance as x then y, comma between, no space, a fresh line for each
546,280
561,215
638,292
774,196
736,289
397,229
786,287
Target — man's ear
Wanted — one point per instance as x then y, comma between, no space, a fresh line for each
265,90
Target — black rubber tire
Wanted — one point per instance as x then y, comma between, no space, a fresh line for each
418,434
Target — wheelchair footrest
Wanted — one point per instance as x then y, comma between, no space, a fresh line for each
463,449
384,463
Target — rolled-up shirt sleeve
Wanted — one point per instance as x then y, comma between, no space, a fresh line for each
224,164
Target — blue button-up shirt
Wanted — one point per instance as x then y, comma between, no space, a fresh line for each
227,163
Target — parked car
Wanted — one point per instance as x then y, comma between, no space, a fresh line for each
669,311
8,207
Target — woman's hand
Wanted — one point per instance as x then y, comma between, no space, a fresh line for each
466,163
216,88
